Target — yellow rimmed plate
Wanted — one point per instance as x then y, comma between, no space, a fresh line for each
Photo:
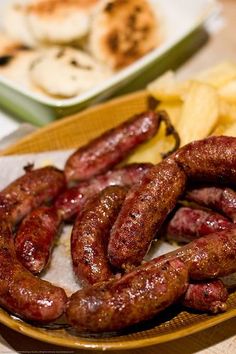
173,323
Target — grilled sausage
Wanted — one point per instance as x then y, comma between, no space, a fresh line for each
71,201
209,296
137,296
107,150
35,238
147,205
90,235
218,198
144,210
209,160
188,224
211,256
21,293
29,191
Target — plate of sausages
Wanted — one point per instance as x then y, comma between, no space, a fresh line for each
125,294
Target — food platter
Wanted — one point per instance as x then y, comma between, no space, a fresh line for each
171,324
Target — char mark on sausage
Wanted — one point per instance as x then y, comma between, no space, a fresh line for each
209,296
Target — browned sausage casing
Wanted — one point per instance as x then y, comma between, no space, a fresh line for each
71,201
29,191
188,224
22,293
211,256
136,297
210,296
147,205
209,160
220,199
144,210
90,235
111,147
35,238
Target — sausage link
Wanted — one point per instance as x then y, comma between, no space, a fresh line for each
90,235
29,191
188,224
144,210
71,201
209,160
217,198
35,238
209,296
211,256
107,150
137,296
23,294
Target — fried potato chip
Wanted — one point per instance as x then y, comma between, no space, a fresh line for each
218,75
166,88
197,108
199,113
230,130
227,112
220,129
152,150
173,109
228,92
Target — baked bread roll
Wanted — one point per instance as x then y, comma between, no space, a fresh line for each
123,31
62,22
66,72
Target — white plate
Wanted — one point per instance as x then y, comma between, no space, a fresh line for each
180,20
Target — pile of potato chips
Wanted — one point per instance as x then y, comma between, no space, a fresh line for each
198,107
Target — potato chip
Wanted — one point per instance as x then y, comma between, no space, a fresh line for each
199,113
173,109
230,130
166,88
218,75
152,150
228,92
220,129
227,112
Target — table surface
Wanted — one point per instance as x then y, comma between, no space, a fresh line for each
215,340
